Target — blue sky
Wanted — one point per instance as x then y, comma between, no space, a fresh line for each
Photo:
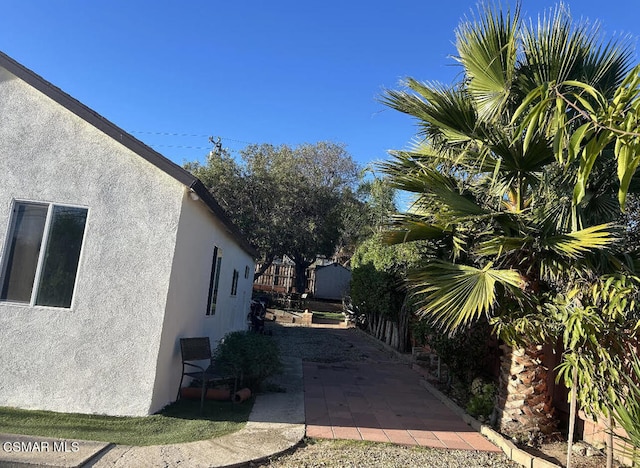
253,71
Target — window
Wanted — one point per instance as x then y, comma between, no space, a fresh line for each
42,254
234,283
214,281
246,272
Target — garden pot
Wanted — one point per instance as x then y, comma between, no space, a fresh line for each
191,393
242,395
218,394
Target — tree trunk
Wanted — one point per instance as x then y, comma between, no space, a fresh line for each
264,266
610,440
403,325
572,414
394,336
524,404
301,276
378,330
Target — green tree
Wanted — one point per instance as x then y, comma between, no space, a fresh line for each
287,201
377,287
367,210
493,201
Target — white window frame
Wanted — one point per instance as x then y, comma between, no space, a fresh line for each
41,255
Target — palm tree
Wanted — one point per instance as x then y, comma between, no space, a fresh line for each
493,199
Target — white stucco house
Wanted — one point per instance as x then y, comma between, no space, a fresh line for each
109,254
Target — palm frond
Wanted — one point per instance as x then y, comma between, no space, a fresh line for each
456,295
487,49
421,180
441,112
578,243
498,246
409,228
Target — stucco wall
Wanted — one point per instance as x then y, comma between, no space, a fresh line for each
186,309
100,355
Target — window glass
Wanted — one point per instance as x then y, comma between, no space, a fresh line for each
42,255
216,264
21,260
234,283
61,256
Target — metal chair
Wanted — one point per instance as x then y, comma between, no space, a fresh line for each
198,349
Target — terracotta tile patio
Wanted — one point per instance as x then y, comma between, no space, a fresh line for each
381,400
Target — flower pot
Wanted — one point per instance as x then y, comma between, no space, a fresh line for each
242,395
191,393
220,394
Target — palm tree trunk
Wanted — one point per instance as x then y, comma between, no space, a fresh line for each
524,404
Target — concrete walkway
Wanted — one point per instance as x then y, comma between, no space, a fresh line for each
380,399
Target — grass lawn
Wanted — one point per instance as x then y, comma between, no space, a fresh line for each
329,315
177,423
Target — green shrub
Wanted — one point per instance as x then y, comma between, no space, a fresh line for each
464,353
251,356
483,399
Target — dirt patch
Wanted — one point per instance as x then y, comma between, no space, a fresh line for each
556,452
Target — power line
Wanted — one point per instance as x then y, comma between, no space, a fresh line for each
181,146
192,135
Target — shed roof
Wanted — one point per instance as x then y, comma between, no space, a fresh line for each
124,138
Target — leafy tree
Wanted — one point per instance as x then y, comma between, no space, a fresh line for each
287,201
598,325
367,211
494,198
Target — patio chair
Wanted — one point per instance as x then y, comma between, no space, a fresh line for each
198,349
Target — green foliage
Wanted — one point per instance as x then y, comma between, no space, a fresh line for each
391,258
626,411
378,270
609,121
464,353
273,185
252,356
376,292
597,325
483,398
491,200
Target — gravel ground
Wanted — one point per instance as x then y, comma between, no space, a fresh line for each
315,344
327,345
343,453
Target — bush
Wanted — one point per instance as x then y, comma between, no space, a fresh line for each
251,356
464,353
483,399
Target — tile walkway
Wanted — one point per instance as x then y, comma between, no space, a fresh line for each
380,399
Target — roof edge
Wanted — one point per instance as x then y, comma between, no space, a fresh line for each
124,138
